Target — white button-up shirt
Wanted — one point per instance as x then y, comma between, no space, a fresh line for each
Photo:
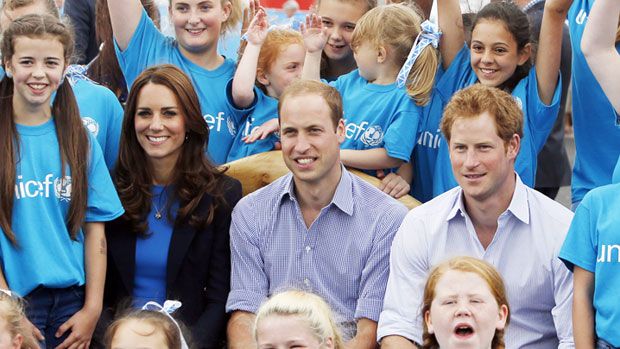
524,250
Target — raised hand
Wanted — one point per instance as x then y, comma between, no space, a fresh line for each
315,35
258,28
247,16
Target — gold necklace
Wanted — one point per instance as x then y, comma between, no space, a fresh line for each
157,210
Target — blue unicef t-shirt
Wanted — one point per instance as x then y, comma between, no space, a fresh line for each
429,139
538,120
593,244
101,114
46,255
596,124
149,47
377,116
262,110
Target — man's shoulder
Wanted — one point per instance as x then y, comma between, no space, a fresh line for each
268,196
371,199
439,207
431,218
547,209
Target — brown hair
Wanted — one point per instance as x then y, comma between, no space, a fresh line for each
12,311
194,175
277,41
397,26
72,138
469,265
515,21
477,99
158,321
105,68
330,95
15,4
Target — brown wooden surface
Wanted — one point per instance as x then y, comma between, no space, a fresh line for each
258,170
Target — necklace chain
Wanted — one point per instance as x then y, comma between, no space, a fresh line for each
158,212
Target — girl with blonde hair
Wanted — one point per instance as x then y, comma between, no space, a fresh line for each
13,332
397,59
296,318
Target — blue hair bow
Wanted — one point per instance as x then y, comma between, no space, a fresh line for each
429,35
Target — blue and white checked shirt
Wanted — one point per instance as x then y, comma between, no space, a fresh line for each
343,256
524,250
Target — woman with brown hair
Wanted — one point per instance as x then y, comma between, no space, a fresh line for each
173,241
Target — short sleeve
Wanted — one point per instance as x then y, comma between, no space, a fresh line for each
579,247
540,116
147,47
458,75
400,136
103,202
114,127
239,114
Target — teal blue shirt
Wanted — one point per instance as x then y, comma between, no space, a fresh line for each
46,255
593,244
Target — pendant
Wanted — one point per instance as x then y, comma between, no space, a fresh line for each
157,215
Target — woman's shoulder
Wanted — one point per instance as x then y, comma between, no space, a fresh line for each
228,187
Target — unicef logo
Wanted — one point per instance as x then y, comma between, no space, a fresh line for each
231,126
91,125
519,102
62,188
373,136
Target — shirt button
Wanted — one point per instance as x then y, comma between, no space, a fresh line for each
308,248
307,282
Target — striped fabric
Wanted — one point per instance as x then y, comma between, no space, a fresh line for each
343,256
524,250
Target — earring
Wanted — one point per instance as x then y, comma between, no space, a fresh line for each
186,136
8,74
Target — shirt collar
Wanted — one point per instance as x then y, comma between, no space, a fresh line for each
343,197
518,207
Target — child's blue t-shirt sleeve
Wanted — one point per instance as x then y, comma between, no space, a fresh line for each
579,247
114,128
103,202
237,113
458,75
399,138
146,44
541,116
